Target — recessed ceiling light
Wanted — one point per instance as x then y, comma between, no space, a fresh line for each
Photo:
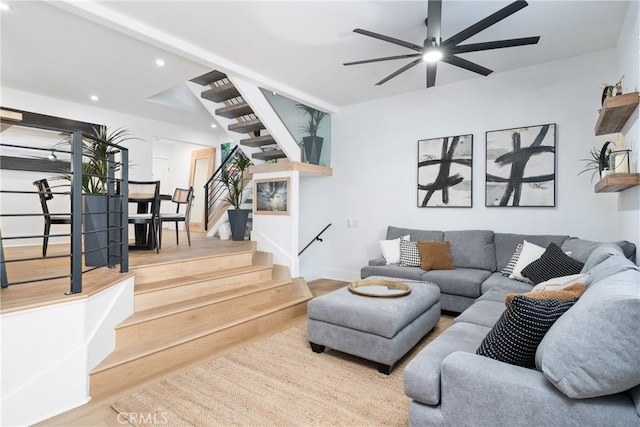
4,6
213,125
94,97
160,62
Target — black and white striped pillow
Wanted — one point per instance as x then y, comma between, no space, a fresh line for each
409,255
517,334
552,263
508,269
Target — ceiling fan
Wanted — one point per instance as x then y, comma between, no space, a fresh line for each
435,49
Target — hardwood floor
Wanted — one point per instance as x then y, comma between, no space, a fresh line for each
98,412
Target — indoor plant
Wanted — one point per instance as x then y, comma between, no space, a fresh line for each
232,177
598,161
312,144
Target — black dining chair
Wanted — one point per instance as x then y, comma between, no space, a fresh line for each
147,196
44,191
180,197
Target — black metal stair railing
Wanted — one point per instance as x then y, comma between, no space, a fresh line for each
214,191
315,239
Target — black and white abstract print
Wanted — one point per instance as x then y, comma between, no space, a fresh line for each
521,166
445,172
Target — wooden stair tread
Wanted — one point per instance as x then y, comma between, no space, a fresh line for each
194,278
269,155
208,78
221,93
246,126
258,141
235,110
181,306
143,348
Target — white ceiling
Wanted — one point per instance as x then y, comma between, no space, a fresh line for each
71,50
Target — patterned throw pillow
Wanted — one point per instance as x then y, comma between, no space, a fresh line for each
508,269
516,335
409,255
552,263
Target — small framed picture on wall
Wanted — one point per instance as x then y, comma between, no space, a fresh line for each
271,196
445,172
521,167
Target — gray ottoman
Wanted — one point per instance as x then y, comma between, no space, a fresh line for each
378,329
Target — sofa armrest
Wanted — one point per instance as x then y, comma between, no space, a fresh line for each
378,261
490,392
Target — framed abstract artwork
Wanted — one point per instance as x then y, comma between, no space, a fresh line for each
445,172
521,167
271,196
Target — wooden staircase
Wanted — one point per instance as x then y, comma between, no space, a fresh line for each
234,107
189,310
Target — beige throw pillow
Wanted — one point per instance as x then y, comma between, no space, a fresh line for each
435,256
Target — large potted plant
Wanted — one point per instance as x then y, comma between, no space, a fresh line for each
96,203
312,144
232,177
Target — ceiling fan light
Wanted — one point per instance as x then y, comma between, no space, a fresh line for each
432,55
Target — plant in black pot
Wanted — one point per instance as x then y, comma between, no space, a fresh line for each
232,177
96,202
312,144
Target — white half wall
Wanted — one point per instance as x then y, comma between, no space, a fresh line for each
375,163
48,352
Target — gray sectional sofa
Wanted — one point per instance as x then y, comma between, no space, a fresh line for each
587,366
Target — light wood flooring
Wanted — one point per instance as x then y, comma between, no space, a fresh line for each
99,412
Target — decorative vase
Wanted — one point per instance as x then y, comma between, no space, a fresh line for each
238,222
307,144
312,149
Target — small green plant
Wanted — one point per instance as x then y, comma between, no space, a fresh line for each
592,163
232,178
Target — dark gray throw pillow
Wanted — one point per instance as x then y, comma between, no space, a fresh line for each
552,263
516,335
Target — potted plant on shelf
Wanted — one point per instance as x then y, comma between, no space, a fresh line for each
96,203
232,178
312,144
598,161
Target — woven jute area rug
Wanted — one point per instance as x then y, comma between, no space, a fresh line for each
278,381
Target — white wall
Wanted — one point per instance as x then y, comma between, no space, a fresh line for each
140,157
375,156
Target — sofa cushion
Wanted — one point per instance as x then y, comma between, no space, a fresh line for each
391,249
422,374
593,349
506,244
497,280
561,282
472,249
520,329
574,290
552,263
508,269
600,254
435,256
530,252
411,273
409,255
581,249
608,268
416,235
484,313
461,281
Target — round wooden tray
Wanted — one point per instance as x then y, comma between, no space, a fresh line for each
379,288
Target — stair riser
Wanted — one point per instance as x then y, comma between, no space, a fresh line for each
195,266
134,372
147,300
198,319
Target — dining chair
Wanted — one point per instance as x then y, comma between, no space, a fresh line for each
44,191
180,197
147,196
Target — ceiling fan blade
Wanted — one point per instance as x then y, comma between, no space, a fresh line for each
467,65
401,70
486,22
388,39
494,45
387,58
431,74
434,20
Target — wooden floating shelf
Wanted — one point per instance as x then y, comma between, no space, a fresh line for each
615,112
617,182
